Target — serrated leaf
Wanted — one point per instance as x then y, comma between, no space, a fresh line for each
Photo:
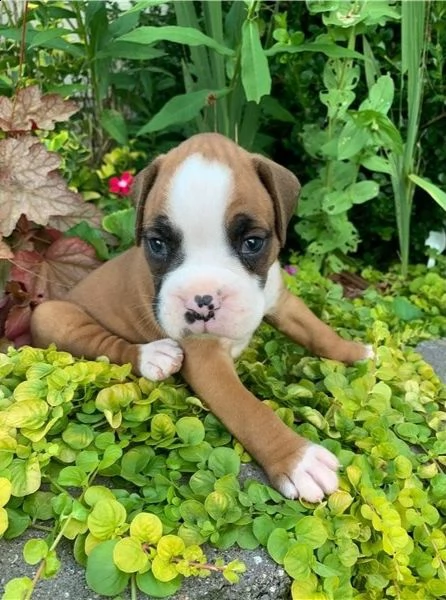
30,184
30,109
52,274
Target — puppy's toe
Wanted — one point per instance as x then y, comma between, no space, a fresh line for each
310,477
158,360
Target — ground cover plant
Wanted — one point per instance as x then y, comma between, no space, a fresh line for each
172,468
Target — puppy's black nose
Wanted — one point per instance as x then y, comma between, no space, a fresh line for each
205,300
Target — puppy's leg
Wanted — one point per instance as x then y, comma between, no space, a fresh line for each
296,467
292,317
72,329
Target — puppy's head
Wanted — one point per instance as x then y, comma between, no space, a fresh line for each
211,219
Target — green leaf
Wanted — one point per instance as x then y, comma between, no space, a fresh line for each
434,191
172,33
72,476
352,140
20,587
5,490
147,528
190,430
298,561
363,191
102,575
121,224
278,544
380,95
182,108
311,531
34,551
129,555
25,476
330,50
78,436
106,519
223,461
149,585
256,78
405,310
115,125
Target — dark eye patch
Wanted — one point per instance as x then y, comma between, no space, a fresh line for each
250,243
162,244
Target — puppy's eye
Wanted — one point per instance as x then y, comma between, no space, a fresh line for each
158,247
252,245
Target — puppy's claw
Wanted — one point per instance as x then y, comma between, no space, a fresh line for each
311,477
160,359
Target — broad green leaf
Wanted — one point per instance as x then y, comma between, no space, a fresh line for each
72,477
405,310
255,74
115,125
352,140
183,108
298,561
19,587
121,224
94,493
38,505
25,476
129,555
380,95
107,519
217,503
363,190
102,575
278,544
149,585
29,414
434,191
330,50
78,436
34,551
172,33
311,531
146,527
190,430
223,461
202,483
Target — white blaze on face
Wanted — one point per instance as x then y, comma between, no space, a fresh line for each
197,202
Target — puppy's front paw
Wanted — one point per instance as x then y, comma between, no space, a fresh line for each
158,360
309,477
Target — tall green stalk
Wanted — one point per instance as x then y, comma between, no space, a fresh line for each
414,17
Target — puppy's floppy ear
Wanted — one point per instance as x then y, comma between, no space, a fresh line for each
283,187
141,187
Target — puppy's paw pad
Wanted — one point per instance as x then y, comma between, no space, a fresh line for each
160,359
312,477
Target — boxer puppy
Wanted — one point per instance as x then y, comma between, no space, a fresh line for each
211,219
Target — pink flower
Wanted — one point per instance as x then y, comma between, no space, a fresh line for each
121,185
290,269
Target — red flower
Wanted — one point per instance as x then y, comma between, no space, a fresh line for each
121,185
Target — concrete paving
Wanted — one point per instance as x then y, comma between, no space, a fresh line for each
264,579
